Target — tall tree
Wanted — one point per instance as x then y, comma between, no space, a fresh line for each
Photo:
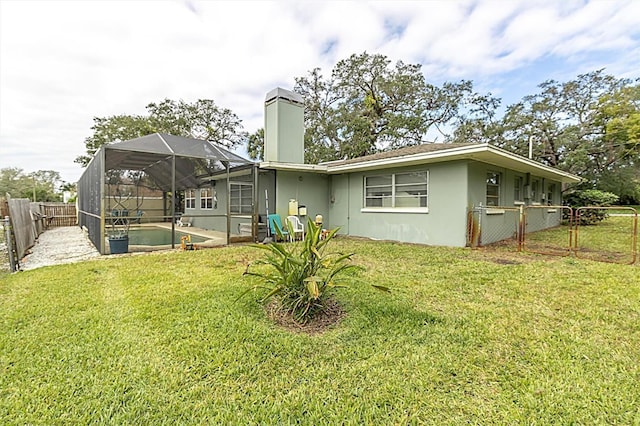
368,105
44,184
202,119
562,123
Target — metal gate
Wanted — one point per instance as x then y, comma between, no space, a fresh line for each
613,239
592,233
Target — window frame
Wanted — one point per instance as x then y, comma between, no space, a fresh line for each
535,192
206,198
393,196
496,185
551,189
190,199
518,190
248,208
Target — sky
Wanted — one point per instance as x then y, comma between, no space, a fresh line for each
62,63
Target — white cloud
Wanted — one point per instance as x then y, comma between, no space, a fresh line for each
64,62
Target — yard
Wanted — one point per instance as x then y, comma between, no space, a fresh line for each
477,336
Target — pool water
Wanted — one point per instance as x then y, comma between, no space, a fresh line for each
158,237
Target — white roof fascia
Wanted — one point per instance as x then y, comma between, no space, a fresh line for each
568,177
293,167
480,152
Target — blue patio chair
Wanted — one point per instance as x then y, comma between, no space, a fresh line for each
275,224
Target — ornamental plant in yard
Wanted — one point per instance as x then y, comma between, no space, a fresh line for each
300,276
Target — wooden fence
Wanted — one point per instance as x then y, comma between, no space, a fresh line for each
58,214
24,230
29,220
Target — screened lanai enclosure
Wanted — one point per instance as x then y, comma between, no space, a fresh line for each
146,183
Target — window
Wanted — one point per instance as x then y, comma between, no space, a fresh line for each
241,198
551,189
518,190
206,198
397,191
190,199
535,191
493,189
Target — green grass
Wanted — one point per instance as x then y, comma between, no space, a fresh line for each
467,336
623,209
611,240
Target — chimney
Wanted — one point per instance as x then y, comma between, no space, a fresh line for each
284,127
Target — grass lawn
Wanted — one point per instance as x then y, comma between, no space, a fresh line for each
474,336
611,240
624,209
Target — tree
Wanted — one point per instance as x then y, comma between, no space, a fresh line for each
44,184
367,106
564,124
202,119
255,145
116,128
477,122
619,116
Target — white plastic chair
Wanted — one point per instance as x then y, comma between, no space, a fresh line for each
295,227
184,221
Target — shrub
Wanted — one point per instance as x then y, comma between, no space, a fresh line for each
301,275
590,198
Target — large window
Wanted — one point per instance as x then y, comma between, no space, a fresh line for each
397,190
190,199
493,189
206,198
241,198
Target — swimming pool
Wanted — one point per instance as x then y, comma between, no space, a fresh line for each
156,236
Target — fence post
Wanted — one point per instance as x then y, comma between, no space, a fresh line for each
9,242
521,227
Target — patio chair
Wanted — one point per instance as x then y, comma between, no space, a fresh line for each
295,227
275,225
184,221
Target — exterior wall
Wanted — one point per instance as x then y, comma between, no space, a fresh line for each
210,218
309,189
500,223
444,224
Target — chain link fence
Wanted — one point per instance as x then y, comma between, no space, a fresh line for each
490,225
605,234
548,230
612,239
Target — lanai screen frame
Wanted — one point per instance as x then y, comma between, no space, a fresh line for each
153,154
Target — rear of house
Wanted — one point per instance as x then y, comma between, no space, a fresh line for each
421,194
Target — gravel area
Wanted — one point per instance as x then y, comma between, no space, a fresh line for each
4,254
56,246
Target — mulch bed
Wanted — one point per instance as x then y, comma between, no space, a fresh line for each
324,320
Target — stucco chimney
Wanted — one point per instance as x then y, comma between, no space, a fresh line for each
284,127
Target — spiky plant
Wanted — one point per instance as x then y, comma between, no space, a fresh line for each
300,276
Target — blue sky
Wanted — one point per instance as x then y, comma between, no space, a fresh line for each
64,62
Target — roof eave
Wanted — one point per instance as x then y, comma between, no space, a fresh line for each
479,152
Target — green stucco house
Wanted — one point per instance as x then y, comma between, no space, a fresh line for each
420,194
